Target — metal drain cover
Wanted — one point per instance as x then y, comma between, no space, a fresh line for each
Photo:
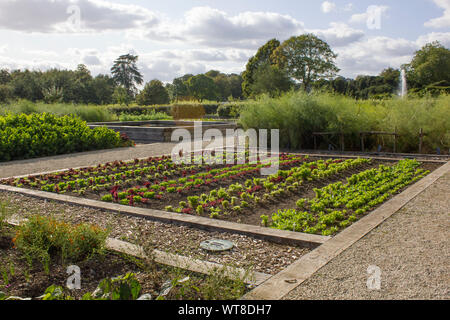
216,245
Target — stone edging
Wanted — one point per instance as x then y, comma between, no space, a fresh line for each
275,235
291,277
195,265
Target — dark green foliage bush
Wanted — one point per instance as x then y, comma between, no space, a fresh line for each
138,110
229,110
27,136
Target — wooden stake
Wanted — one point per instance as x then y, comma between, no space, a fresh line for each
395,140
420,140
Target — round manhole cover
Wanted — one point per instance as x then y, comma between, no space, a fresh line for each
216,245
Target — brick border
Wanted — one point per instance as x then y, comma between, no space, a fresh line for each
291,277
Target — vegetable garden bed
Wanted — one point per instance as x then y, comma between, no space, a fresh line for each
308,194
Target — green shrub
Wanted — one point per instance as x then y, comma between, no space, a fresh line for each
228,110
43,237
152,115
28,136
5,93
125,287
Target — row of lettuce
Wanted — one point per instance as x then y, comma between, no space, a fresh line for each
29,136
339,204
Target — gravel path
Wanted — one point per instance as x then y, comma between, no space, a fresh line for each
412,249
29,166
85,159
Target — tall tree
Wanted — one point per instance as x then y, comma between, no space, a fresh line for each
83,89
5,76
202,87
27,84
154,92
126,73
270,79
180,88
391,77
103,86
235,85
262,56
121,96
306,58
430,65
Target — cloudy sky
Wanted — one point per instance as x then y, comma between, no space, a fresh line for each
175,37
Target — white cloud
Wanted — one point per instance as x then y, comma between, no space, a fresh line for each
169,64
203,39
328,6
442,37
373,54
339,34
441,22
33,64
91,60
212,27
62,16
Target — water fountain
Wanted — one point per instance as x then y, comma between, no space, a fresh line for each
403,84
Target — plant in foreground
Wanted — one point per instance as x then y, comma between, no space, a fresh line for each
42,237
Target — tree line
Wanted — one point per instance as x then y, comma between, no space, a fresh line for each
121,86
303,62
307,62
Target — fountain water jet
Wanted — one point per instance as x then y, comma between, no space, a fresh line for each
403,83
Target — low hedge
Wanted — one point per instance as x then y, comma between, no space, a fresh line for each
28,136
230,110
199,108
